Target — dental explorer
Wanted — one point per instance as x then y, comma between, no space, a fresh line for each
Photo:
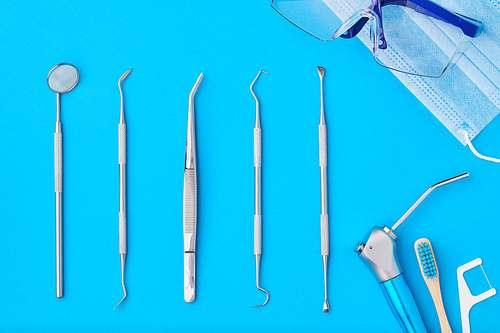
323,159
190,208
122,161
257,220
61,79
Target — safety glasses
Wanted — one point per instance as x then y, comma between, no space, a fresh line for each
415,37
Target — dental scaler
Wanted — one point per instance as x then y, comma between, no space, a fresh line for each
378,252
257,218
122,162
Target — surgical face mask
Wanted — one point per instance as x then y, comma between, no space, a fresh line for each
466,97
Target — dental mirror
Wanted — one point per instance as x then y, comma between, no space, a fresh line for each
61,79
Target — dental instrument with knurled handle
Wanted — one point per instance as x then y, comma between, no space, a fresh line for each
257,145
61,79
122,161
323,159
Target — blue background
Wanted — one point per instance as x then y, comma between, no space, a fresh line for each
385,150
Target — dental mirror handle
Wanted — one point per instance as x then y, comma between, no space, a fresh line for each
58,167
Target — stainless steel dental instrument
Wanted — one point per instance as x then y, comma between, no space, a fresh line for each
422,197
190,208
323,162
61,79
257,162
122,161
378,252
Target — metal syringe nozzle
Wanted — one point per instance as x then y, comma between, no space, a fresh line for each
422,197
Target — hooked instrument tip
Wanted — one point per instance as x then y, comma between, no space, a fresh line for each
251,86
257,121
267,298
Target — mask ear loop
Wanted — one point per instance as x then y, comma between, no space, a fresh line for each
474,151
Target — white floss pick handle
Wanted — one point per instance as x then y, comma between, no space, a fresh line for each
467,300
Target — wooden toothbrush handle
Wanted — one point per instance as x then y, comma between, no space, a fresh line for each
435,291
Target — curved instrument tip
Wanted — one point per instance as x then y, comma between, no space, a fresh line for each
122,256
321,71
251,86
267,298
120,301
195,87
258,74
124,76
124,294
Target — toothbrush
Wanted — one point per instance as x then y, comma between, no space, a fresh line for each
430,273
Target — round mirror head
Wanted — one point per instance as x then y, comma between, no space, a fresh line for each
62,78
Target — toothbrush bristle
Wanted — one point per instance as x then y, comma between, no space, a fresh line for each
427,260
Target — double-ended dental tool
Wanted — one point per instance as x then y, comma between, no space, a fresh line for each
122,161
190,205
257,218
61,79
378,253
430,273
323,162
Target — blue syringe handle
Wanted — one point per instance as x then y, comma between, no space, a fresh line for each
402,303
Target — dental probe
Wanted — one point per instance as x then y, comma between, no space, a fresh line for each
122,160
257,148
